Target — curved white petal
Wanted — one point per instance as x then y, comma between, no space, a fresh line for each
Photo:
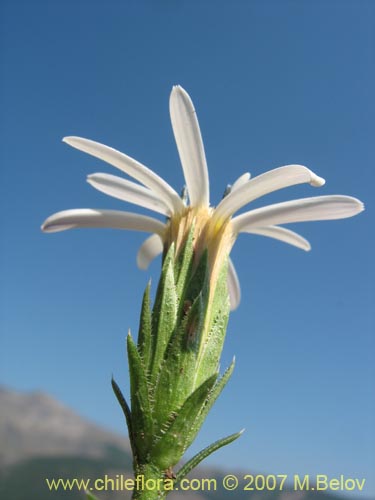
190,146
149,250
128,191
234,288
305,209
240,181
87,217
130,167
268,182
282,234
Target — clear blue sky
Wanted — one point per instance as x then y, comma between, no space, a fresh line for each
273,83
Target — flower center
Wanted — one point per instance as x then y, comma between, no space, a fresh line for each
216,238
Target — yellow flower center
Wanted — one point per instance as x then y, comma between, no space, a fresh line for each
215,236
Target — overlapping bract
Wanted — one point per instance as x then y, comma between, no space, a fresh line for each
174,376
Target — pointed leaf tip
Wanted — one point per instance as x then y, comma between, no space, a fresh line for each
90,496
205,453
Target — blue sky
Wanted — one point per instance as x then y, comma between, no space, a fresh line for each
273,83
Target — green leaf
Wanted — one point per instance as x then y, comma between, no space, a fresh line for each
176,378
212,397
198,284
128,417
90,496
175,438
184,264
213,336
122,401
144,334
164,314
197,459
142,422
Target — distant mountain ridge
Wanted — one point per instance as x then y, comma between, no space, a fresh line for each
36,425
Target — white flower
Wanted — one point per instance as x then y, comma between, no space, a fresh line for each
155,194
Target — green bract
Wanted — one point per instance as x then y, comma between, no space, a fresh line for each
174,378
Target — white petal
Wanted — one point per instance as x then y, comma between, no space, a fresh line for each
87,217
190,146
240,181
233,286
130,167
150,248
128,191
268,182
282,234
305,209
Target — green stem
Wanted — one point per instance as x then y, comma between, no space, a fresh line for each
151,483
